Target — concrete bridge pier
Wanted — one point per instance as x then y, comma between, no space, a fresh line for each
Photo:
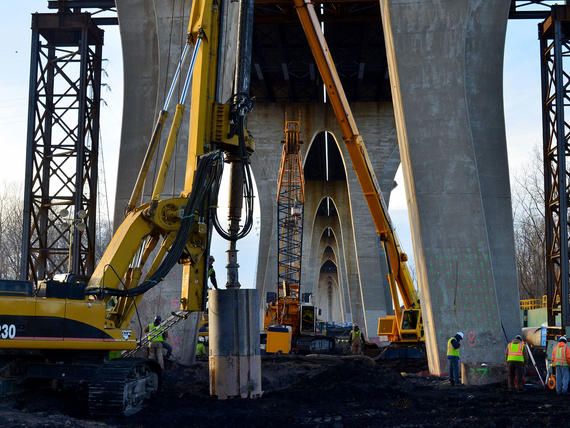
445,60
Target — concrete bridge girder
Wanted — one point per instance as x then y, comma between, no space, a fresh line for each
445,60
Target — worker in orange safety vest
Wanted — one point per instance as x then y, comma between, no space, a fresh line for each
517,357
561,360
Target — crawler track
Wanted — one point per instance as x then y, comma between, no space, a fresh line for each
120,387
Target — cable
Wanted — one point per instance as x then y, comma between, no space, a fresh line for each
205,187
248,189
139,318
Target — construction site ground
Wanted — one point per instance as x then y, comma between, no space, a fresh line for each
307,391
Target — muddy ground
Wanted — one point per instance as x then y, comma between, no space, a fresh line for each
310,392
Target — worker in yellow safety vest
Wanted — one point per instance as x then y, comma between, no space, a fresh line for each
561,360
356,340
155,344
453,345
200,349
516,356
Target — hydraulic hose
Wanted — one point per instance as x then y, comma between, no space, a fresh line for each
204,190
248,191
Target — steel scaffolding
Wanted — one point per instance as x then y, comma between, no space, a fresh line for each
531,9
554,34
290,213
62,145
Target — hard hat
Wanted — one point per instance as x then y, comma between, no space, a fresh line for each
460,334
562,339
157,319
518,336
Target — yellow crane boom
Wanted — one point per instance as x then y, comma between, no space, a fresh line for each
399,276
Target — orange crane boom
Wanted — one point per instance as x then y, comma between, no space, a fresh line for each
398,276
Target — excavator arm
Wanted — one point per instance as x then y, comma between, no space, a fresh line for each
399,277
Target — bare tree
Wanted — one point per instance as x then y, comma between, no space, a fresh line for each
11,226
528,214
11,214
103,236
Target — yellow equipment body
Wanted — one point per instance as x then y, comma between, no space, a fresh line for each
49,323
278,340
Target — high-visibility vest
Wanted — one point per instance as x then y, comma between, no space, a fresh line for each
210,272
451,351
354,333
559,355
200,349
515,352
158,338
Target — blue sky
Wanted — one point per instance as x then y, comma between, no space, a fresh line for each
521,92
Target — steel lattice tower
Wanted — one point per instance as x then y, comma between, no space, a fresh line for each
63,144
290,210
554,34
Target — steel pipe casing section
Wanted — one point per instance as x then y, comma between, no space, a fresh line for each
235,361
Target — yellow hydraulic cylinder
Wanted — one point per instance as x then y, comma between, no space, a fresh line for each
168,151
156,133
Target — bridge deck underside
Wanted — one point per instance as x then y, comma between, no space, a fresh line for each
283,67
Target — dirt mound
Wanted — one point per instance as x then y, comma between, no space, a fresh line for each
304,391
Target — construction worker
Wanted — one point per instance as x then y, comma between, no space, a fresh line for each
517,357
212,272
200,348
356,340
155,344
453,345
561,360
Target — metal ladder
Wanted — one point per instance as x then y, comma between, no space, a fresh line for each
170,322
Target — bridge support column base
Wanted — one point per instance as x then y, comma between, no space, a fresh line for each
482,374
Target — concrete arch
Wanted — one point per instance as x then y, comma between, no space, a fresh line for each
328,298
316,133
341,296
334,257
349,294
320,201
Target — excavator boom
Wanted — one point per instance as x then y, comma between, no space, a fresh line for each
398,276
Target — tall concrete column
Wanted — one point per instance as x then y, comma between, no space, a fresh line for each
445,61
139,42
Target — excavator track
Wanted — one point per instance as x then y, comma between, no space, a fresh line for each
120,387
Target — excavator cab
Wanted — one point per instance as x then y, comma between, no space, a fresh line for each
411,328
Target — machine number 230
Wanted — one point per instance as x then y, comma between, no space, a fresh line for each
7,331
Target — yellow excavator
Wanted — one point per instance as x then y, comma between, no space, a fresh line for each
66,330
